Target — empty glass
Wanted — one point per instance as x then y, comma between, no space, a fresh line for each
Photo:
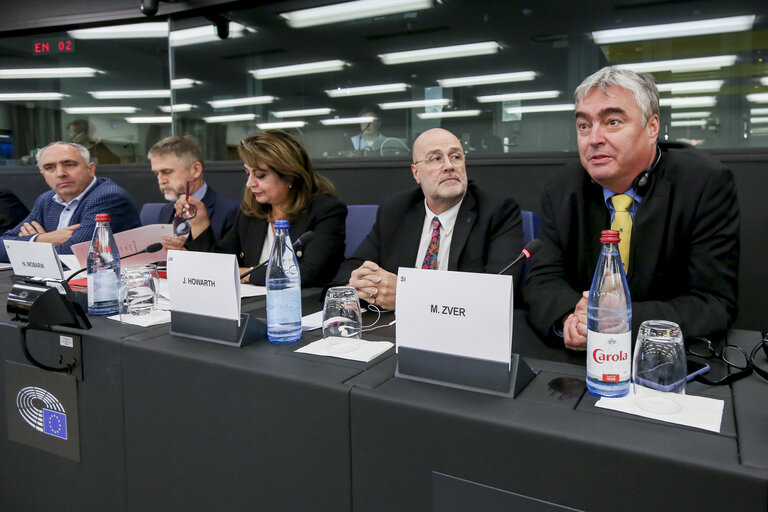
341,319
659,368
138,289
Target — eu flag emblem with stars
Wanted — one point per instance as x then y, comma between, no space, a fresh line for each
55,423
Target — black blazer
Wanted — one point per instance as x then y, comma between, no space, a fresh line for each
326,216
12,210
684,253
222,211
488,234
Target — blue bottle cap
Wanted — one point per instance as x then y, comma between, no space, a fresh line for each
282,224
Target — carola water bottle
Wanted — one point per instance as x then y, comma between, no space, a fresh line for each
609,323
283,289
103,270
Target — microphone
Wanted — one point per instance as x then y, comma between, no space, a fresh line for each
298,248
149,249
529,250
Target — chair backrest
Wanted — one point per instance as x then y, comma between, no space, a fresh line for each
531,222
360,220
150,212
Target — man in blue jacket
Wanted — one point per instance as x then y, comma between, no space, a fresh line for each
66,214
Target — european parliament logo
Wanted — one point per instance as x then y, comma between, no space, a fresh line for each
42,411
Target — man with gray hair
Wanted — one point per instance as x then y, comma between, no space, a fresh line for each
66,214
675,205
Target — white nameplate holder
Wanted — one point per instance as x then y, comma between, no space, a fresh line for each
455,329
33,259
205,299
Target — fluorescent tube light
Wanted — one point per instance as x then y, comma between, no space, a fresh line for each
308,68
31,96
48,73
184,83
450,113
764,80
442,52
281,125
691,122
758,120
761,97
519,96
178,107
758,111
303,112
205,34
499,78
682,65
241,102
347,120
150,120
688,87
368,89
668,30
689,102
414,104
131,95
132,31
100,110
231,118
690,115
534,109
347,11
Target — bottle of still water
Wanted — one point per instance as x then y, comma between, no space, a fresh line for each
103,270
283,289
609,323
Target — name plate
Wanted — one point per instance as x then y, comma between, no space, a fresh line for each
204,283
455,313
33,259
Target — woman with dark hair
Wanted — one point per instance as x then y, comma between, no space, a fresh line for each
282,184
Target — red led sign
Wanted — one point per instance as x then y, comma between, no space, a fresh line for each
56,46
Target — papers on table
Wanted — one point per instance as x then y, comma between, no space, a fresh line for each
313,321
695,411
251,290
156,317
366,351
5,266
131,241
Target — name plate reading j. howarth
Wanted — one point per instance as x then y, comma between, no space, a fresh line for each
455,313
203,283
33,259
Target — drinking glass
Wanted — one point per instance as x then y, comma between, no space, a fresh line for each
181,226
138,290
341,319
659,368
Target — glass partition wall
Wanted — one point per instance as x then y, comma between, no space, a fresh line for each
363,79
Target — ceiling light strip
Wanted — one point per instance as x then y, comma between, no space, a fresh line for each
347,11
441,52
670,30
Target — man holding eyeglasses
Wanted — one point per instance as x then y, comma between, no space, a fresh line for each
66,214
445,224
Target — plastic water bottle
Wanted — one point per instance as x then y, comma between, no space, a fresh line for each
283,289
609,323
103,270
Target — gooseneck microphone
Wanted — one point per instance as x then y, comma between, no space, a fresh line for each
148,249
529,250
298,249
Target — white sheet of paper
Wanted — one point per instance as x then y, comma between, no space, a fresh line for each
252,290
204,283
696,411
35,259
459,313
313,321
131,241
156,317
366,351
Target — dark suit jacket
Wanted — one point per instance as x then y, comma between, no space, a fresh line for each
222,211
684,253
487,236
12,210
104,197
325,216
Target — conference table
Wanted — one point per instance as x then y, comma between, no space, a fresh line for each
171,423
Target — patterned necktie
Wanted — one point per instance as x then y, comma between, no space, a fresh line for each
430,259
622,222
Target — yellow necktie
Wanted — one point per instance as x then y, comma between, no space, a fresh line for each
622,222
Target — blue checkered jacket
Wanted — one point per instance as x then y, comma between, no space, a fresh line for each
104,197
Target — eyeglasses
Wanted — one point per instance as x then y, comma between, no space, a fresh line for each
438,161
764,345
733,356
